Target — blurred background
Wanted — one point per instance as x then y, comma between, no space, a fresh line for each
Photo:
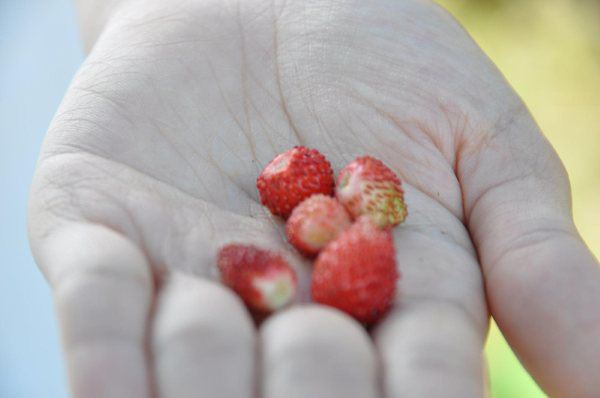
548,49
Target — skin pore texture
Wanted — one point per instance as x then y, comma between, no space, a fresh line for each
150,166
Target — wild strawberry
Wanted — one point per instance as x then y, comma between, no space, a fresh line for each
263,279
357,273
316,222
367,186
292,177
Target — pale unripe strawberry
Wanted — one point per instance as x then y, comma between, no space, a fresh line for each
316,222
368,187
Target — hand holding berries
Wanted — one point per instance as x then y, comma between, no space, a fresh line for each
355,270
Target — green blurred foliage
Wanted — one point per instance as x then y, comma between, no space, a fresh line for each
549,50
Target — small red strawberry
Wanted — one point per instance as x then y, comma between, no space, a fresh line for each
316,222
367,186
357,273
263,279
292,177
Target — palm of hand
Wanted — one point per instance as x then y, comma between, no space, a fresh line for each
164,132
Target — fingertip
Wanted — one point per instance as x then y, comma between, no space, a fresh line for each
313,350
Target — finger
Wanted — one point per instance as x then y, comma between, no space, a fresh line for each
313,351
431,345
431,349
102,290
204,341
543,284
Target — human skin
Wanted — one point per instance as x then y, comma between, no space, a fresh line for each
150,164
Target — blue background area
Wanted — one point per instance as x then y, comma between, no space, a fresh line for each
39,53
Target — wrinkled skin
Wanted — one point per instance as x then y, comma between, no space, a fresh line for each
150,166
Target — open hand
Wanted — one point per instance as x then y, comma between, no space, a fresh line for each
150,166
